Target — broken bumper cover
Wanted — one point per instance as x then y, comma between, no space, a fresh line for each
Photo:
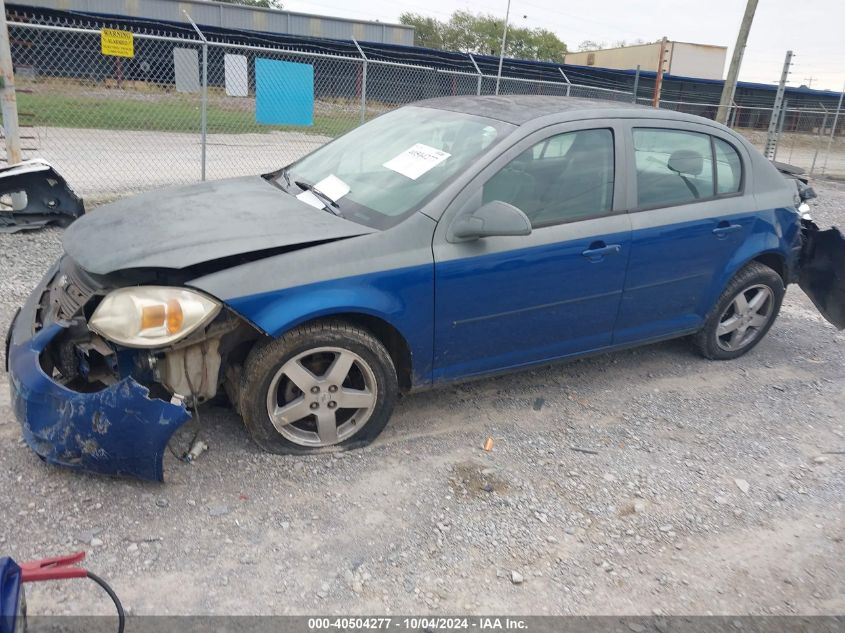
49,198
119,430
822,273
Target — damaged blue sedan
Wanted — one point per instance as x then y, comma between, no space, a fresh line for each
445,240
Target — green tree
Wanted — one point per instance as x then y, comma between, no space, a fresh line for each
428,32
265,4
546,46
590,45
482,33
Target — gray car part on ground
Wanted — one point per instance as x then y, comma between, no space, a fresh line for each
49,198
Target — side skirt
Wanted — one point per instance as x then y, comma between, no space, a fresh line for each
551,361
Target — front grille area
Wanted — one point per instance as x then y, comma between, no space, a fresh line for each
66,294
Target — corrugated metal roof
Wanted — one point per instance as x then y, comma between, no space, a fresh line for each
750,85
239,17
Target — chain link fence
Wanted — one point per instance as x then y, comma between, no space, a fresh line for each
805,138
181,110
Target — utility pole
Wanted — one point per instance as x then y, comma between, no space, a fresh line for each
658,81
810,81
736,61
7,94
504,41
772,133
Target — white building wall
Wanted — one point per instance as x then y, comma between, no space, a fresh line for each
682,58
698,60
646,55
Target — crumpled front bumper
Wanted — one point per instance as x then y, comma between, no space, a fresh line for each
119,430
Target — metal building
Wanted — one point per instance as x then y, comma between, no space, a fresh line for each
232,16
686,59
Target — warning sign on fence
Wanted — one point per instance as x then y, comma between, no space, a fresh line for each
117,43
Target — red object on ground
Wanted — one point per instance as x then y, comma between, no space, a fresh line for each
56,568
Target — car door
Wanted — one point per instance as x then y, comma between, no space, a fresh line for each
502,302
688,216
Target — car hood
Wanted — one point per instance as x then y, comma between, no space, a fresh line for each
184,226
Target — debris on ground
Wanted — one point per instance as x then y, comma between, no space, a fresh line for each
33,194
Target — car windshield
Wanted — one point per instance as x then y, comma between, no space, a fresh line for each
378,173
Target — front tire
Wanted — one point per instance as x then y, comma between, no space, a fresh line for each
326,384
743,315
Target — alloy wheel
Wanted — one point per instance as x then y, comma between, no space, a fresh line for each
322,396
745,317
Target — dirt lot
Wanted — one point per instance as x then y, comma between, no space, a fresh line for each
697,487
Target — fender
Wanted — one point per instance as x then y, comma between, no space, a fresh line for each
403,298
763,240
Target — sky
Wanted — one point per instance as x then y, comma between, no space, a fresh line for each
813,29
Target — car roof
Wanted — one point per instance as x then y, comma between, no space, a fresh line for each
519,109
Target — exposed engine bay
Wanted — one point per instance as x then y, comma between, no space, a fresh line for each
188,370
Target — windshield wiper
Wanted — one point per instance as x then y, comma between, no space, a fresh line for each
326,199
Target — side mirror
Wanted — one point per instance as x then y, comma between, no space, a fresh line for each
496,218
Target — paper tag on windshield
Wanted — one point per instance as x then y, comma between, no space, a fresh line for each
309,198
414,162
333,187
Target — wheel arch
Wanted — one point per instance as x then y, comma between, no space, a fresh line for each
771,257
774,260
387,333
399,313
376,323
764,248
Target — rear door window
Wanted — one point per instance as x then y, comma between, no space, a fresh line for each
673,167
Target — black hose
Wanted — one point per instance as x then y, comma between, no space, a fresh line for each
121,616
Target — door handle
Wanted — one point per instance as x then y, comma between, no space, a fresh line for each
598,250
723,229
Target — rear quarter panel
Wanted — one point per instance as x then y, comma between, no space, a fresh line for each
774,231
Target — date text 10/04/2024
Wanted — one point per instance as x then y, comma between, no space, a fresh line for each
417,623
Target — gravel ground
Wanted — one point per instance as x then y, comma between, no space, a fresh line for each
709,488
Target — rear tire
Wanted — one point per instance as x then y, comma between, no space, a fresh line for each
323,385
743,315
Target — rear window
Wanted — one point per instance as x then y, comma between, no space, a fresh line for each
728,167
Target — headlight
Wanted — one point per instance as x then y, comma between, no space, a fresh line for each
151,316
